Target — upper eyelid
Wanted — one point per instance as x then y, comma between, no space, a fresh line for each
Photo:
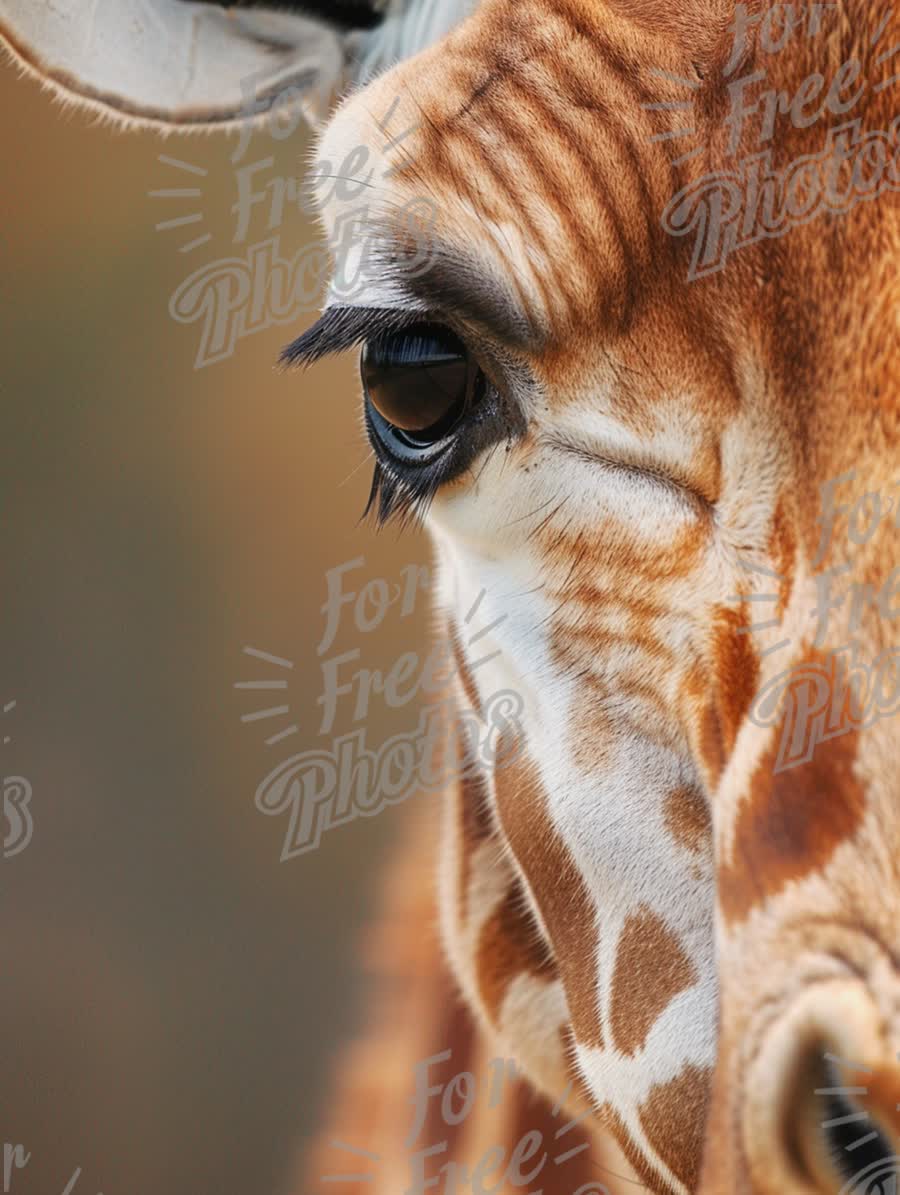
457,281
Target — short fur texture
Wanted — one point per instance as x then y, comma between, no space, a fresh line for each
641,906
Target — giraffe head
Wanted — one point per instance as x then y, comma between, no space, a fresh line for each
642,386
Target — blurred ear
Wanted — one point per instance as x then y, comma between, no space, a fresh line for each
175,63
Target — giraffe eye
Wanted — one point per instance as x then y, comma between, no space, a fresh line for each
419,383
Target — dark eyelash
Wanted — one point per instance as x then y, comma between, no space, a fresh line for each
405,500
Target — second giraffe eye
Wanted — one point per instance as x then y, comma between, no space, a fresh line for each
419,383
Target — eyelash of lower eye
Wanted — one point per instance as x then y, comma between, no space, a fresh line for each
405,500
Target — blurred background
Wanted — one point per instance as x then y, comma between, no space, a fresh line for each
171,993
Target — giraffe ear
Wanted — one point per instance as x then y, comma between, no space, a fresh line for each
177,63
171,63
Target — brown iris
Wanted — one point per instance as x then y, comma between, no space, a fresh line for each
419,382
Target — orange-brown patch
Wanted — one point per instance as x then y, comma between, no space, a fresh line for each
581,1096
557,885
791,823
509,945
532,1113
637,1159
688,819
783,550
651,969
455,1032
736,671
710,744
882,1094
674,1117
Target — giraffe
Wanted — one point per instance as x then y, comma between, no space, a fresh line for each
628,455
